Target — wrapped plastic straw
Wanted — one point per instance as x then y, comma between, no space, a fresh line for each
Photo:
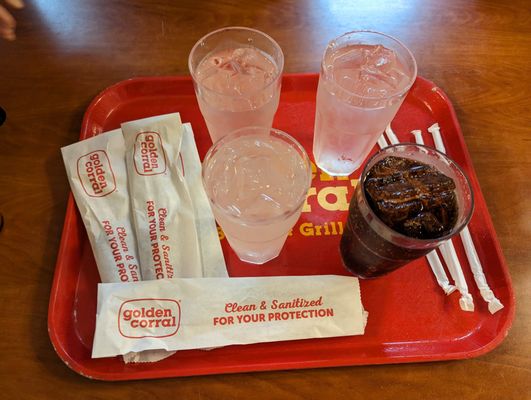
382,142
454,266
391,135
494,304
433,258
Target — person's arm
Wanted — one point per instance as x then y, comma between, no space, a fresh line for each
7,22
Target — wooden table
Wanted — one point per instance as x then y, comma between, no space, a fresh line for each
68,51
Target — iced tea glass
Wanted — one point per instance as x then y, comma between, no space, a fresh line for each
364,79
369,248
257,179
237,76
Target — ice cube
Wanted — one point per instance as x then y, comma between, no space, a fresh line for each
424,225
379,77
412,197
382,58
353,57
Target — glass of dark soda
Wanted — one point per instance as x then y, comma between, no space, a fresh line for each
410,198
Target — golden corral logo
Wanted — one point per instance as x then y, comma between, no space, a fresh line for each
149,155
95,174
143,318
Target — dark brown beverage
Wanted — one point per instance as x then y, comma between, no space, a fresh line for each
403,208
411,197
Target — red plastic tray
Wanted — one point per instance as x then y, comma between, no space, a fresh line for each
410,319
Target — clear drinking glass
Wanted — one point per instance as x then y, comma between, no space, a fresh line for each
364,78
257,179
237,77
370,248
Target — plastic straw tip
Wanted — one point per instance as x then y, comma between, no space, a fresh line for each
495,306
434,127
466,303
449,289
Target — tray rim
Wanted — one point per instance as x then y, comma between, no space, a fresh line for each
71,215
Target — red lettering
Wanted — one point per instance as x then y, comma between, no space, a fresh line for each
149,154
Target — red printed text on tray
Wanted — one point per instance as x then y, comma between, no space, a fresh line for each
328,198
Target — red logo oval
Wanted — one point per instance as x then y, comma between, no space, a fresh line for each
142,318
95,174
149,155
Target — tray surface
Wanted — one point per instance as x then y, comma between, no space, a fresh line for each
410,318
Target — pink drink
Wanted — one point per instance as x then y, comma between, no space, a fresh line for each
236,73
361,87
257,180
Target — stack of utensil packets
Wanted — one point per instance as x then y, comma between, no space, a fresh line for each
152,232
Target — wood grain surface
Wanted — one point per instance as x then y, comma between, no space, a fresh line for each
66,52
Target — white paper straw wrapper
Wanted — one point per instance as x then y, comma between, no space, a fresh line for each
438,270
97,174
494,304
418,136
436,133
391,135
212,260
199,313
162,206
382,142
448,251
454,266
433,258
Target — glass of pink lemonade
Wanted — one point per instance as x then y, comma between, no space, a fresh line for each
364,79
257,179
237,76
